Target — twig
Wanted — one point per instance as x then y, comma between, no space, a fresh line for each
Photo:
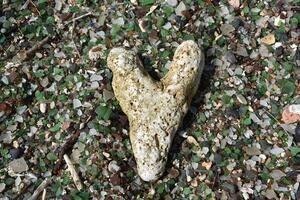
44,194
73,172
36,8
67,146
80,17
39,189
35,48
72,38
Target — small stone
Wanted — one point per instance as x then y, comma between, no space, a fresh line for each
276,151
231,166
113,167
242,51
43,107
94,85
241,99
252,151
16,153
97,52
18,165
173,173
180,8
278,21
268,39
76,103
206,165
2,187
39,55
96,77
229,56
119,21
6,137
4,79
115,179
277,174
107,95
263,51
270,194
44,82
167,26
192,140
172,3
227,29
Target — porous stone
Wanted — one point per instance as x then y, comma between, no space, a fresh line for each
155,109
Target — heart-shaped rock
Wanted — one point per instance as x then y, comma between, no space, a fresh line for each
155,109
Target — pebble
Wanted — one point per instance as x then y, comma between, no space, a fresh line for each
229,56
167,26
270,194
119,21
2,187
16,153
96,77
278,21
276,151
43,107
113,167
76,103
241,99
268,39
107,95
263,51
227,29
277,174
242,51
252,151
180,8
44,82
18,165
172,3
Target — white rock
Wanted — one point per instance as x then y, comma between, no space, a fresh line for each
167,26
94,85
276,151
4,79
119,21
278,21
43,107
180,8
96,77
155,109
113,167
172,3
2,187
241,99
76,103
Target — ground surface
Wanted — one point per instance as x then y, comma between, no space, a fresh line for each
55,100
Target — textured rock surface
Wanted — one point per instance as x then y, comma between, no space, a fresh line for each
155,109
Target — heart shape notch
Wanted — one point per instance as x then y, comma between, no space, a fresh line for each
155,109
